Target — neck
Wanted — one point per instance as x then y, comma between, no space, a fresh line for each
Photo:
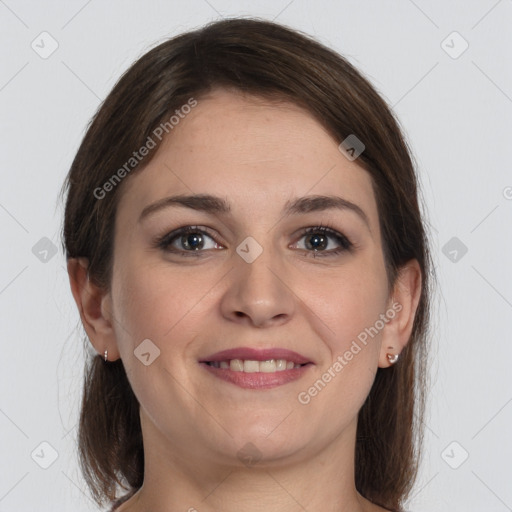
184,479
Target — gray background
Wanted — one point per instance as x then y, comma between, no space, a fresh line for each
456,110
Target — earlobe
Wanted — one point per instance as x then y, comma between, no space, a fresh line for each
404,303
94,306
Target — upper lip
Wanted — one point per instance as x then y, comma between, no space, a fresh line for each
256,354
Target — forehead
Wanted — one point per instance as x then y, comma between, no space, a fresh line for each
255,152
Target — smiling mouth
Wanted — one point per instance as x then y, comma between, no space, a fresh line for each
257,375
253,366
257,368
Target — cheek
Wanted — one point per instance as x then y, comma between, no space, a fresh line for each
151,303
349,302
350,306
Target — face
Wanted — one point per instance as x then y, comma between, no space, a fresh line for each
257,270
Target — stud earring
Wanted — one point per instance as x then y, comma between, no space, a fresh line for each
392,358
106,355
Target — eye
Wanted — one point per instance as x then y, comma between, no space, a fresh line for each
189,239
321,239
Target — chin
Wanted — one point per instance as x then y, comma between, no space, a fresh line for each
264,443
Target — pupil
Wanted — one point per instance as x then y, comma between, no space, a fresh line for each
193,241
316,242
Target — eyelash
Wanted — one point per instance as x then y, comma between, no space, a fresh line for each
163,242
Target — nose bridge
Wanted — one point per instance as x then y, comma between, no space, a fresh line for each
258,265
257,289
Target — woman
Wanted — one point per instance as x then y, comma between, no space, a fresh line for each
248,257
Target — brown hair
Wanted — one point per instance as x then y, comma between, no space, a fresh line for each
267,60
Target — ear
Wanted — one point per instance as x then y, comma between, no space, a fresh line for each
95,307
401,311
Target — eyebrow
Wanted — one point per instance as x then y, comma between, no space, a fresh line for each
217,205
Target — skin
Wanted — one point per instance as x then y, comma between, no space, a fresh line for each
256,155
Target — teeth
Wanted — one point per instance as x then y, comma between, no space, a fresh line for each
281,365
236,365
251,366
268,366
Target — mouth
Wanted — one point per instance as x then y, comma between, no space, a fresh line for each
257,368
253,366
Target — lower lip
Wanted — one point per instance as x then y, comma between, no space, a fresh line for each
258,380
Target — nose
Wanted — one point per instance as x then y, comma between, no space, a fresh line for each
258,293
